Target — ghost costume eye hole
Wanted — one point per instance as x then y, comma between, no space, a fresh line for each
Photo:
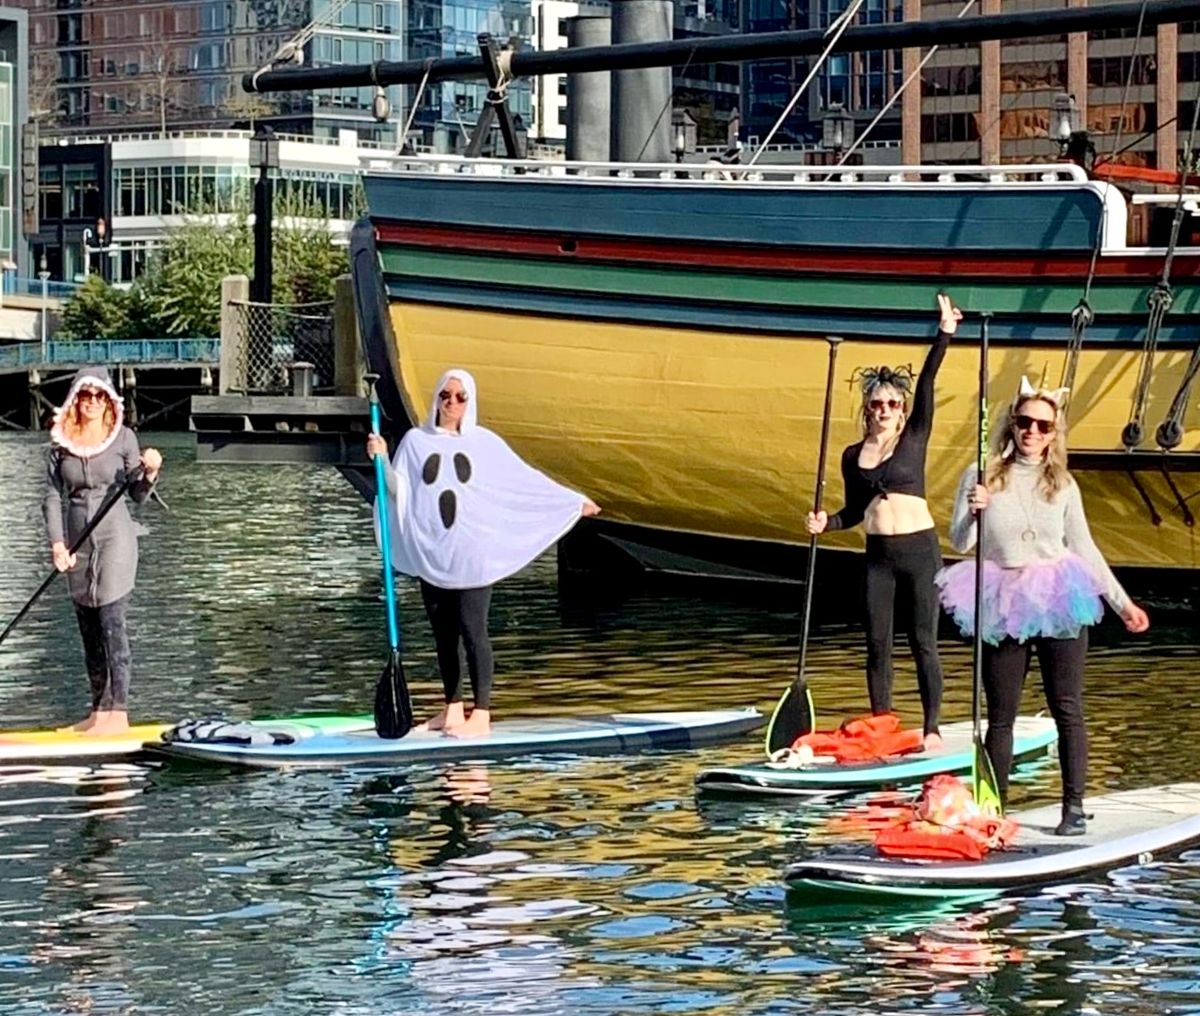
462,467
429,471
447,507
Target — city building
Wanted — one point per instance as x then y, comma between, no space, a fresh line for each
14,60
105,204
447,110
992,102
860,84
120,65
549,94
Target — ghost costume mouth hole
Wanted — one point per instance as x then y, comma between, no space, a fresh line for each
447,499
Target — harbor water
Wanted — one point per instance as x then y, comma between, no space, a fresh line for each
591,886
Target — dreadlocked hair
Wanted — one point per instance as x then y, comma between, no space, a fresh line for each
871,379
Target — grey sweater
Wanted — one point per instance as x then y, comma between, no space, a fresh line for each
106,565
1021,527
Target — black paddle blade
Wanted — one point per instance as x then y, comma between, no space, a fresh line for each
393,706
793,717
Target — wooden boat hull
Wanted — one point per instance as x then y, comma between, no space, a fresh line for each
687,397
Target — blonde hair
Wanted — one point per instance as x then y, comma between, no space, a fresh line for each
1002,450
72,425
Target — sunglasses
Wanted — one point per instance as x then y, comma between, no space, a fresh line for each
1030,422
89,394
459,397
877,404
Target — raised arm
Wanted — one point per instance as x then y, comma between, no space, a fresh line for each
1078,538
131,456
920,417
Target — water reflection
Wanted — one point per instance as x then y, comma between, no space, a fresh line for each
589,885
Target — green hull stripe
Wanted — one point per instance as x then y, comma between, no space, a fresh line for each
1025,296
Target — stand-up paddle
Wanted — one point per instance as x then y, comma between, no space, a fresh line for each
393,706
105,507
983,777
794,715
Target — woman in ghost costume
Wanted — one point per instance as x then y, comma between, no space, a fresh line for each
466,513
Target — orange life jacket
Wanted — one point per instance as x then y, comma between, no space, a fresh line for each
863,739
947,825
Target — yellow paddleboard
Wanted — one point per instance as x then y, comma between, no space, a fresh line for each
24,745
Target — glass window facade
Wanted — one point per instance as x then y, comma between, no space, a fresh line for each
226,189
126,65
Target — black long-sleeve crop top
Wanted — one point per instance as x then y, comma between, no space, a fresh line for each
904,471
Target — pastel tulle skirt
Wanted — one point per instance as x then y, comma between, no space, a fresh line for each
1051,599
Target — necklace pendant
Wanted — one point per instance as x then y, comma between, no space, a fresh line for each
1029,535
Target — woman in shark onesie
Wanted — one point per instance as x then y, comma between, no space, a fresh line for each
92,453
466,513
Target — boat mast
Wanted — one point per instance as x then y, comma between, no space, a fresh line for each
732,48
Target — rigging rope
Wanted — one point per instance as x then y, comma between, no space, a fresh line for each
1082,315
840,24
1160,300
896,95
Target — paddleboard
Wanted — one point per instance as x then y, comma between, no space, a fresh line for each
1032,736
615,733
42,745
1127,827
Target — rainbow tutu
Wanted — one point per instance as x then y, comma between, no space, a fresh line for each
1052,599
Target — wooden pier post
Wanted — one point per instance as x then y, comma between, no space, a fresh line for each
235,294
348,363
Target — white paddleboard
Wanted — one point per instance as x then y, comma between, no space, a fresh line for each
614,733
1127,827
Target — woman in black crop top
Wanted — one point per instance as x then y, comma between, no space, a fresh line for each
884,477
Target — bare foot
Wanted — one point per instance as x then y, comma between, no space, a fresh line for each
109,724
78,728
479,724
451,716
934,742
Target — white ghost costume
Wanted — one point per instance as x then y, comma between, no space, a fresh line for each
466,510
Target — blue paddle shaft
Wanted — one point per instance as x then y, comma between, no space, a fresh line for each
385,534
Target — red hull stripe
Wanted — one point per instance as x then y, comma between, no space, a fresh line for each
967,264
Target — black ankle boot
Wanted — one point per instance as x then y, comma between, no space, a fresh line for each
1074,821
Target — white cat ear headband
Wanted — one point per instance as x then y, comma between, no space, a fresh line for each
1056,396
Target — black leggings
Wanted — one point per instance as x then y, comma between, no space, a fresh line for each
1061,662
900,572
461,615
106,650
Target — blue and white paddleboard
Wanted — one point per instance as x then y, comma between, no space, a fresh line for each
614,733
1128,827
1032,736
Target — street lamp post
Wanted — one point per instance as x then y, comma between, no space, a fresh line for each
264,155
44,275
260,342
87,252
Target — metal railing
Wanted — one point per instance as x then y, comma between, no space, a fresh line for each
200,134
16,285
123,352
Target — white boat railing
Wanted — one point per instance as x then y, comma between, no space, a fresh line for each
776,174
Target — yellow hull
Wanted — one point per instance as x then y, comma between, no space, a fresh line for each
717,432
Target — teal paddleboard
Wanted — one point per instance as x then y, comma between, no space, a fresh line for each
606,733
1032,736
1124,828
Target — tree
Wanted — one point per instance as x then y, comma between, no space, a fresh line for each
97,311
180,293
182,285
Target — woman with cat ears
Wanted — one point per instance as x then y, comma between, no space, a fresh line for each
1043,579
884,478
